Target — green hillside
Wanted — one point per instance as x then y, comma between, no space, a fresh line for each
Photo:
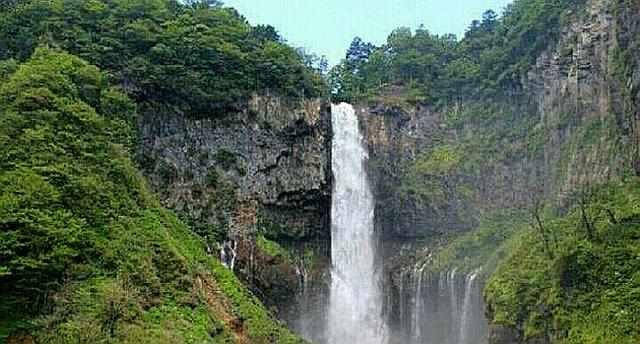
87,254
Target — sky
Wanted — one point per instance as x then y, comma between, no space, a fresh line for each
327,27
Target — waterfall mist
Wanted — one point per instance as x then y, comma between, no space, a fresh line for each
355,306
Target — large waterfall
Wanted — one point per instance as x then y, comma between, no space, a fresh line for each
355,306
419,307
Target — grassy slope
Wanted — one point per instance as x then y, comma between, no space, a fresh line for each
86,252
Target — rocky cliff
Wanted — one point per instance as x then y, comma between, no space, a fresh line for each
572,121
259,181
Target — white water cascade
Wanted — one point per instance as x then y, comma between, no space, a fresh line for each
355,305
467,308
440,308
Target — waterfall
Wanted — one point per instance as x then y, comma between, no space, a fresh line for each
440,308
444,308
355,305
453,298
228,254
467,308
418,304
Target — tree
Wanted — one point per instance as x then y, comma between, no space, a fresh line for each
323,65
341,83
473,29
536,209
59,123
585,198
202,58
489,21
6,4
358,53
376,70
203,3
265,33
493,54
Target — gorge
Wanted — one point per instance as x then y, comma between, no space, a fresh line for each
170,173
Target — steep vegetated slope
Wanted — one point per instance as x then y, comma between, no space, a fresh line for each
84,241
232,132
193,71
87,253
524,133
573,278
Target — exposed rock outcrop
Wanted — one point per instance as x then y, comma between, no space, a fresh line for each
263,172
573,121
274,154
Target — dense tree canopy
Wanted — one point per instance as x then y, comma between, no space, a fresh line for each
492,56
201,58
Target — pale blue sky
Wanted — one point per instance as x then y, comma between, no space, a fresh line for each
326,27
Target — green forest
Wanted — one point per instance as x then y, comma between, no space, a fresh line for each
87,254
202,59
84,241
441,69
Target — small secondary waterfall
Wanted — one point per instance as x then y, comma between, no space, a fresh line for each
442,308
355,306
465,321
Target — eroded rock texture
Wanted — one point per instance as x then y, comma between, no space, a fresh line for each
263,172
274,155
571,121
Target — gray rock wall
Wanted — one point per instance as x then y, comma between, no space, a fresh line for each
267,166
263,172
578,108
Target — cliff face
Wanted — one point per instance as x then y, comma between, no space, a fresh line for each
272,159
592,75
260,176
573,121
395,136
584,83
